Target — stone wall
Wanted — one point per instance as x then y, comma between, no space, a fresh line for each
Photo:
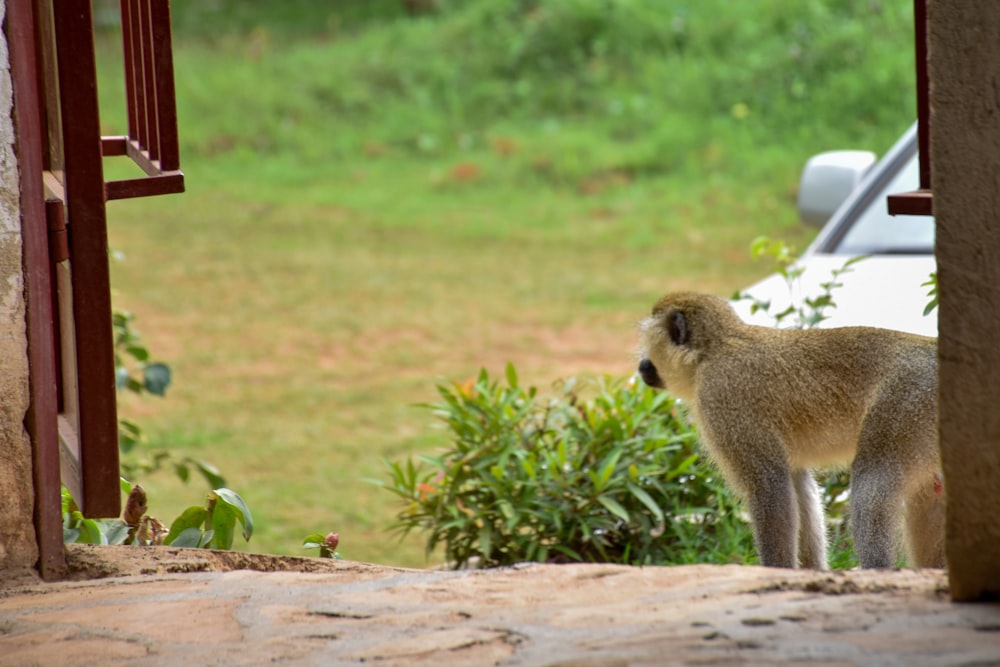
17,537
964,68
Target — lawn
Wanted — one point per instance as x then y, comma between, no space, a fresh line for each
378,202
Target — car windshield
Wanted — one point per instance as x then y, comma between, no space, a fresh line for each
875,232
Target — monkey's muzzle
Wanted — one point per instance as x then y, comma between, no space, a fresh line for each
649,374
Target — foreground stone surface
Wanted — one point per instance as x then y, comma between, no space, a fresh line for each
173,607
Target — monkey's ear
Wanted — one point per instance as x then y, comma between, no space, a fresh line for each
677,327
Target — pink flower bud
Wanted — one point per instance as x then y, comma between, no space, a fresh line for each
331,541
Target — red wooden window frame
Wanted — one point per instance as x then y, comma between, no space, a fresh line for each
73,420
921,201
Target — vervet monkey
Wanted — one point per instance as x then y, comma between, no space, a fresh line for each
771,404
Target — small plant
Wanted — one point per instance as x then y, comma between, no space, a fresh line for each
214,525
79,529
136,374
327,545
807,312
211,526
613,478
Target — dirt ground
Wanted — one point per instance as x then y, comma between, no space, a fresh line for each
165,606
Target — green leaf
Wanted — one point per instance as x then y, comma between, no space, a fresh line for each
189,537
682,467
314,540
609,467
485,541
646,500
233,499
511,375
566,551
528,463
115,531
156,378
785,313
614,507
121,377
210,473
509,513
223,526
68,503
192,517
932,293
206,539
759,246
90,532
182,471
852,261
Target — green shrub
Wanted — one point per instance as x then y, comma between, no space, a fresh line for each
611,478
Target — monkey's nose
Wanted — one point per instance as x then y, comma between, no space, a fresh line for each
649,374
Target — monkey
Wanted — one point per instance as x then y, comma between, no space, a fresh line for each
772,404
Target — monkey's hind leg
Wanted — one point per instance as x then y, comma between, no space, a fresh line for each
812,525
876,506
925,520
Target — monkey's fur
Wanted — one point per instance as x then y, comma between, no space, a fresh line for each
772,404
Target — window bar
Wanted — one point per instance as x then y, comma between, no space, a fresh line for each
152,113
149,139
88,246
132,89
166,103
919,202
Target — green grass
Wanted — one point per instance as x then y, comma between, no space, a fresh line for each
376,202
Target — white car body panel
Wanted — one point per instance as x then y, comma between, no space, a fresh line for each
878,291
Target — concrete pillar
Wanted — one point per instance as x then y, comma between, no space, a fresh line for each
18,550
964,67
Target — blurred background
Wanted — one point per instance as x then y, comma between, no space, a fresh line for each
387,194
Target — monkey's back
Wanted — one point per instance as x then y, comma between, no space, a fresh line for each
815,389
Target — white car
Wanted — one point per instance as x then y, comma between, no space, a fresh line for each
886,288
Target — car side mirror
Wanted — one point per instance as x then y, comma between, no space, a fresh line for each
827,180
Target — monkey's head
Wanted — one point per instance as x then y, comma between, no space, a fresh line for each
677,335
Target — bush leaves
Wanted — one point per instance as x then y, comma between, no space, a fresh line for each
601,471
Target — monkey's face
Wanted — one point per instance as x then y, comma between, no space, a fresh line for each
668,358
664,363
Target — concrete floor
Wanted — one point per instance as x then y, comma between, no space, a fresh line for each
168,606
